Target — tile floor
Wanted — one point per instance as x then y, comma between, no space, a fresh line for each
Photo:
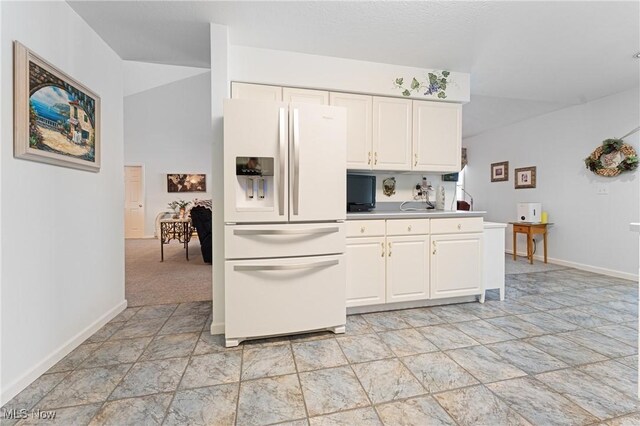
562,349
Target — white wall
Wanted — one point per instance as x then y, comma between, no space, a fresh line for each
589,231
168,129
295,69
220,86
62,229
141,76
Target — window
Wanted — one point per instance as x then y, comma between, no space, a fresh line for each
86,120
75,112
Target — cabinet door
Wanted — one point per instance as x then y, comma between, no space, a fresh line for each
437,136
359,127
256,92
307,96
365,271
391,134
407,268
456,265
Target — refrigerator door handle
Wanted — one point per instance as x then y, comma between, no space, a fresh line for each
328,230
282,142
293,266
296,161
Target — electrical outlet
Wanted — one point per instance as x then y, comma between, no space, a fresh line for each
602,189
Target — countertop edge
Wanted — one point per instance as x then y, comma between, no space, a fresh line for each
635,227
413,215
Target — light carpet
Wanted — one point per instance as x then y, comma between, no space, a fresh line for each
176,280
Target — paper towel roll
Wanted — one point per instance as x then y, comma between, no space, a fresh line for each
440,198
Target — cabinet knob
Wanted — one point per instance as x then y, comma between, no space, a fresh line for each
459,226
434,247
409,228
389,249
375,157
416,159
362,230
369,160
382,244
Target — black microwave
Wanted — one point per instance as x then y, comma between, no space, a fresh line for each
361,193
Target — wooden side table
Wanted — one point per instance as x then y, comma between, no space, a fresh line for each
530,229
175,229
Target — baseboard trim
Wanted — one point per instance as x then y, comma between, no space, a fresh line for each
581,266
217,328
409,305
39,369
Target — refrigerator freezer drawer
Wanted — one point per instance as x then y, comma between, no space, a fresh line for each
267,241
281,296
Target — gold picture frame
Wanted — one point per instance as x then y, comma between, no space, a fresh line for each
56,118
500,172
525,177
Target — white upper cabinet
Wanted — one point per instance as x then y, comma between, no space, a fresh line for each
256,92
359,127
437,136
307,96
391,134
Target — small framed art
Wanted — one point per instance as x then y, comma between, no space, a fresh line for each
525,177
500,172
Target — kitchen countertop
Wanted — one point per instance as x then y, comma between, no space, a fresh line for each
492,225
427,214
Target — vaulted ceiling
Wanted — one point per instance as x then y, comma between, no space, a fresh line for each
525,58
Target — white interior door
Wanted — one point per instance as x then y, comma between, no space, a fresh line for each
134,202
318,159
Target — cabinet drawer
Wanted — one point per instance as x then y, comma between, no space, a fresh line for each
277,296
276,240
456,225
524,229
365,228
407,227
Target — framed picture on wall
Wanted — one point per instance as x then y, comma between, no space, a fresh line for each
525,177
186,183
500,172
57,119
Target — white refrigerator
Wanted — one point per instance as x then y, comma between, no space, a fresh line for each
284,212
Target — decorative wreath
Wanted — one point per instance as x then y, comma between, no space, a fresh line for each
612,158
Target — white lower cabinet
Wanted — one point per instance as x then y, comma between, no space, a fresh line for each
387,268
407,268
456,265
365,271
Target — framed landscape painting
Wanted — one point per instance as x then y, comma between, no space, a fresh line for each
186,183
56,118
